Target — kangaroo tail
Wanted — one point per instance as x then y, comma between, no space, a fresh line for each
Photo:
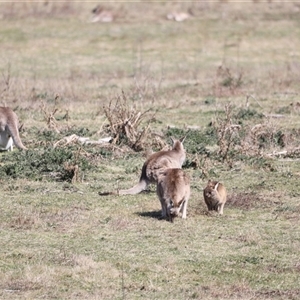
18,143
141,186
14,132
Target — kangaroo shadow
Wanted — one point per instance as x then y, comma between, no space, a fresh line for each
156,214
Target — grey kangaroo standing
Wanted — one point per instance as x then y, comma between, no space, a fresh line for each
154,165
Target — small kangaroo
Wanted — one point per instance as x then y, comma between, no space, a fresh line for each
154,165
173,191
9,129
215,196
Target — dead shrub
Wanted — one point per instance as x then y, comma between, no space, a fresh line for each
262,137
227,132
128,125
247,142
49,115
201,163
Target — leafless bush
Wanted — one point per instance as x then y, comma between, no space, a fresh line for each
49,115
260,137
202,163
237,137
227,131
125,123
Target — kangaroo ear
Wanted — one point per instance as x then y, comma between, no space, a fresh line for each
182,139
173,140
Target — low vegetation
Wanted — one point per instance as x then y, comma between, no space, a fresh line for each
95,99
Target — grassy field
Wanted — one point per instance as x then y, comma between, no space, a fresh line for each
228,77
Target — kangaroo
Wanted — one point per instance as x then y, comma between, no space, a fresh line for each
154,165
101,15
173,191
215,196
9,129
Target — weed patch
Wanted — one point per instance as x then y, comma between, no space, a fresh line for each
56,164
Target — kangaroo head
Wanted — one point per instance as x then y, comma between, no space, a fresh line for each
178,148
212,184
178,144
173,209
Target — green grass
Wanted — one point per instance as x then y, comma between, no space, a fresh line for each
61,240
